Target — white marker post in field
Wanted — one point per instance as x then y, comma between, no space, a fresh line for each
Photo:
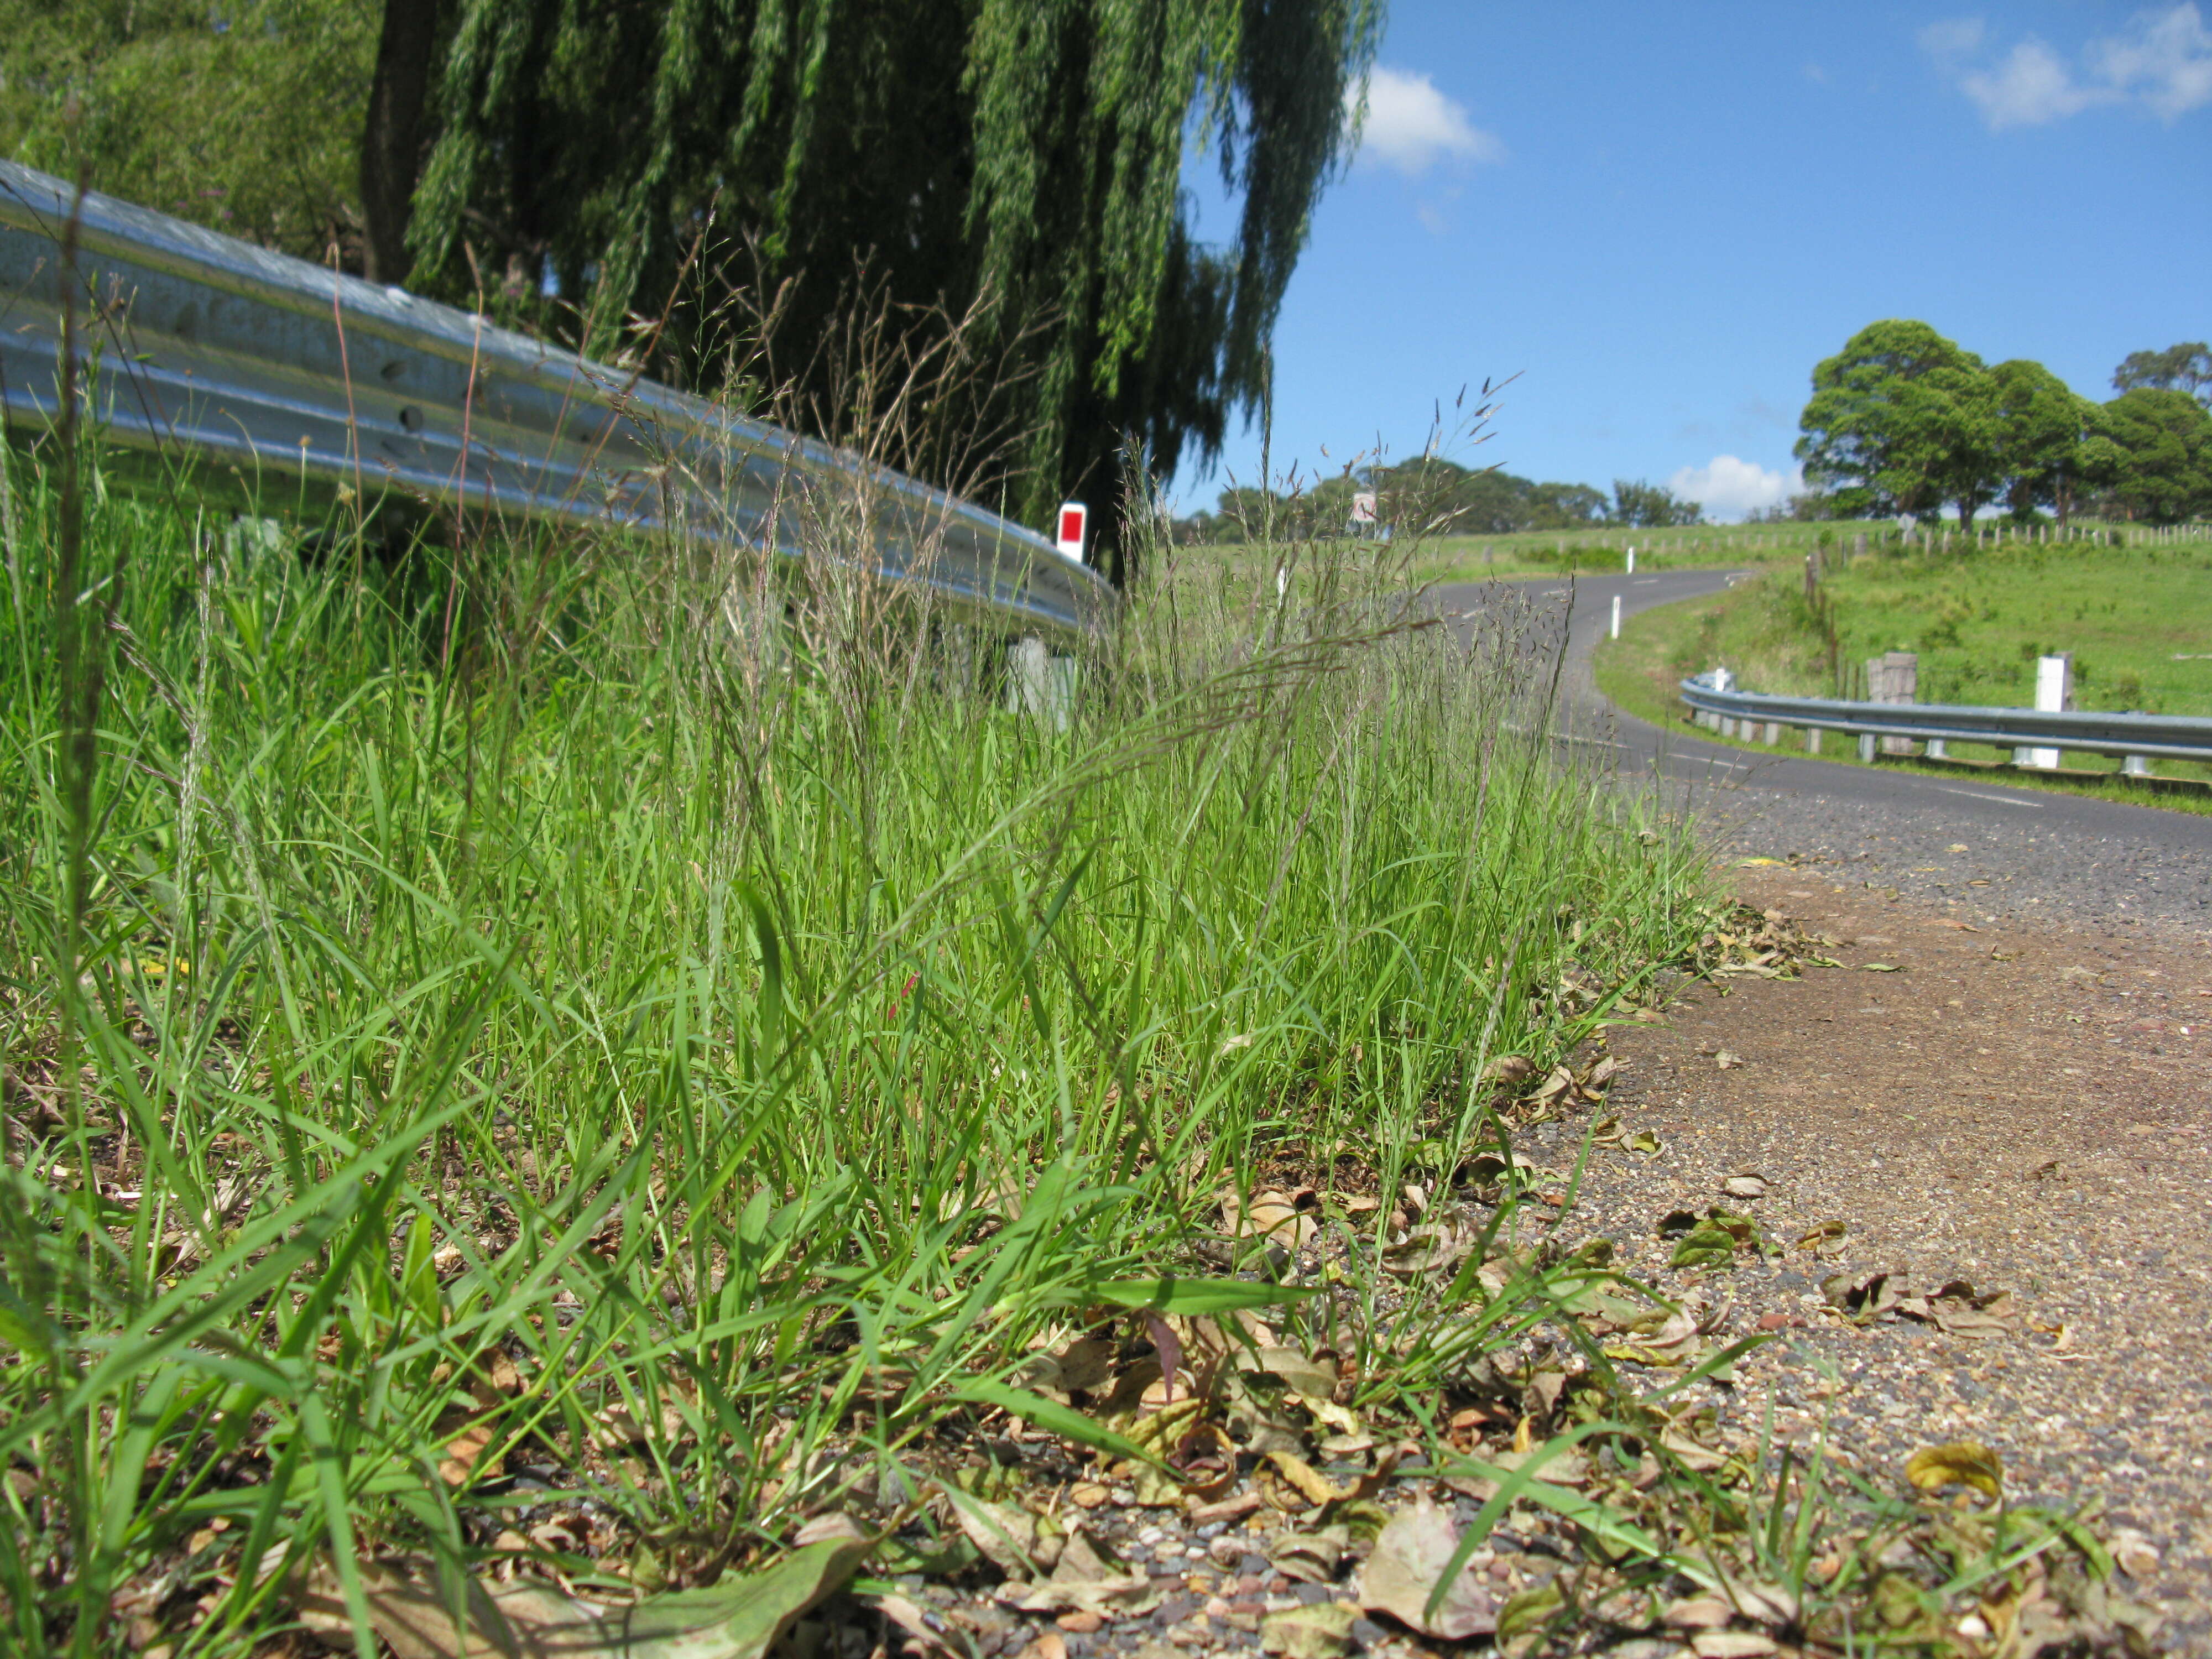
1616,615
1632,561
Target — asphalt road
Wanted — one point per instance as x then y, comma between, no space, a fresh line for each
2080,860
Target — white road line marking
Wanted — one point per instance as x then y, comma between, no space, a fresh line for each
2002,801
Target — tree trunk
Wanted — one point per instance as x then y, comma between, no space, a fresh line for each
391,139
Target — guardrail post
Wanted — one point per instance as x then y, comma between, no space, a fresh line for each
1812,740
1773,737
1866,748
1039,683
2136,766
1936,750
1894,677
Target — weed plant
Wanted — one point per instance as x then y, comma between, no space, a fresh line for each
642,988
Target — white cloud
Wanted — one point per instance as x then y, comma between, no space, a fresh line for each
2165,61
2162,61
1412,126
2033,85
1730,488
1956,37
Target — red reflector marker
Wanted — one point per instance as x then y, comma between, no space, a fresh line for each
1074,517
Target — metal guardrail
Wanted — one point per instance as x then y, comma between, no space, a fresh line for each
213,353
2168,737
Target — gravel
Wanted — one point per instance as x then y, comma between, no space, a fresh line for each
2045,862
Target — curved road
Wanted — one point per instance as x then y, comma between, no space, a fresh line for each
2027,852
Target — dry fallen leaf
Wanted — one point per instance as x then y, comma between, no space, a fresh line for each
1732,1644
1745,1184
1320,1632
1312,1557
1409,1560
1863,1300
740,1618
1698,1612
1728,1061
1963,1462
1957,1308
1088,1578
1825,1236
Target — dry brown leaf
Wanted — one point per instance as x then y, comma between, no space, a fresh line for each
1086,1579
1863,1300
1746,1184
1963,1462
909,1617
740,1618
1312,1557
1957,1308
1732,1644
1322,1631
1408,1563
1698,1612
1290,1483
1010,1537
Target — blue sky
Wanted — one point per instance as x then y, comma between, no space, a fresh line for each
1660,217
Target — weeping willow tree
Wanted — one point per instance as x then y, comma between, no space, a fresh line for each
647,160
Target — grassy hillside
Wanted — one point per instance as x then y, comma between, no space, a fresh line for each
2137,619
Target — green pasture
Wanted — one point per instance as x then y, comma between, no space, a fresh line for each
2137,619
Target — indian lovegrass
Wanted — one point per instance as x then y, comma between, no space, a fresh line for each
583,1004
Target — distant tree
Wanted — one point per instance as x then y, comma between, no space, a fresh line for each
1565,506
1901,421
1641,505
2150,451
2184,368
2041,427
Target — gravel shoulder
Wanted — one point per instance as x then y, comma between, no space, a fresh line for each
2025,1108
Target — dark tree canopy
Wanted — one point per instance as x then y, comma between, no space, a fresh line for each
2184,368
1901,419
2040,428
645,152
2151,451
1647,505
617,173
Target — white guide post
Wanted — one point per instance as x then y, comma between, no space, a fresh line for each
2054,689
1616,615
1632,561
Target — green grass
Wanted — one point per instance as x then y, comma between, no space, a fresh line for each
2136,618
1549,553
754,1032
582,1008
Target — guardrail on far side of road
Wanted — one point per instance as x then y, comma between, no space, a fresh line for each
2138,738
